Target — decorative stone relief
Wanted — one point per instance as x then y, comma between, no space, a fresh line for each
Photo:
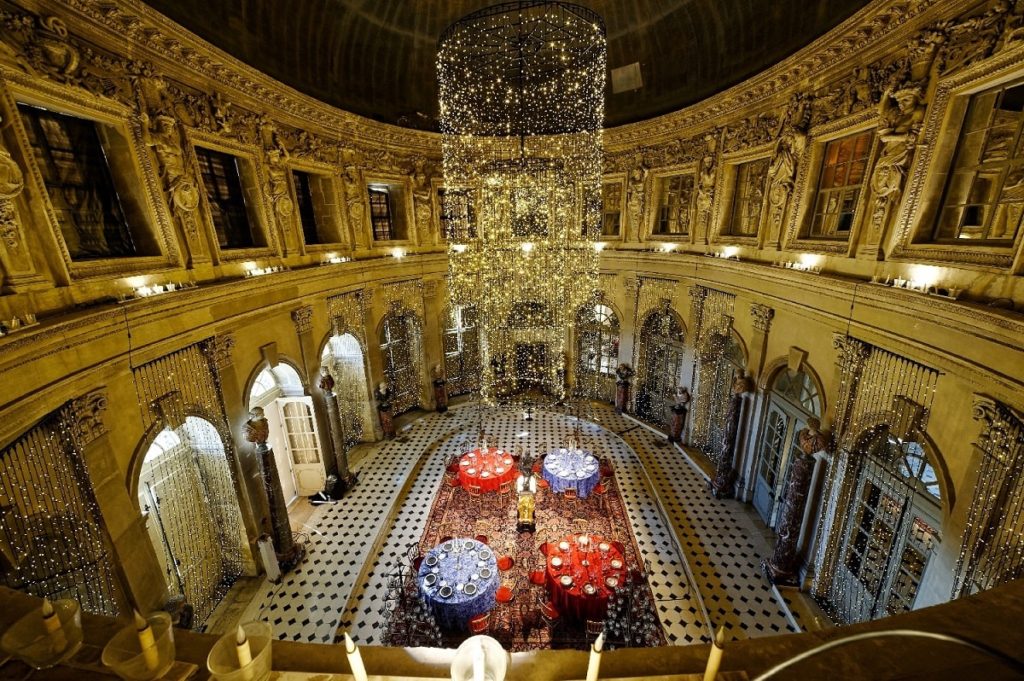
762,316
12,181
303,319
706,174
901,115
219,350
85,416
789,147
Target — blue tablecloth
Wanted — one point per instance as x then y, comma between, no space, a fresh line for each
459,562
572,469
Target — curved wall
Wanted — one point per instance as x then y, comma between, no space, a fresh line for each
73,56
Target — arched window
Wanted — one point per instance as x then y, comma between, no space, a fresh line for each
661,359
343,359
597,350
462,351
792,400
891,528
717,371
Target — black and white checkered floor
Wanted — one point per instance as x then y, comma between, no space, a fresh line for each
355,542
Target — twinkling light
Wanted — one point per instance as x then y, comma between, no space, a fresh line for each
522,107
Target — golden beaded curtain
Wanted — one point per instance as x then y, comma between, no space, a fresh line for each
522,107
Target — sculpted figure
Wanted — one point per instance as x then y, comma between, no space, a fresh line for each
182,192
811,439
902,113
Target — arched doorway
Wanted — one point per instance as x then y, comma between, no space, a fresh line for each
402,350
661,359
891,528
342,358
294,435
462,350
597,351
192,513
793,398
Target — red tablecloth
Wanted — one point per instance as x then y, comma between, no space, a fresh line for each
487,468
572,600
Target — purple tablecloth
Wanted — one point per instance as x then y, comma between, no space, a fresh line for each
572,468
459,562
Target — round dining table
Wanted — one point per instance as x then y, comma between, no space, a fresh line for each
459,580
487,469
583,572
571,469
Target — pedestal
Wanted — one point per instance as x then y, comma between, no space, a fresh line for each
621,396
387,423
288,552
784,565
440,395
345,478
675,428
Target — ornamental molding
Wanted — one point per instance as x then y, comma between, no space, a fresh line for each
219,349
992,413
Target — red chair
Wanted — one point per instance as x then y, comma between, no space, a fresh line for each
620,547
453,468
480,624
550,614
417,563
482,538
504,594
544,548
537,577
444,539
543,484
506,563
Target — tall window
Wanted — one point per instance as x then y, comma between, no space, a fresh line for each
380,214
611,208
674,212
598,348
458,217
842,178
227,201
462,351
307,211
985,192
78,180
401,348
748,198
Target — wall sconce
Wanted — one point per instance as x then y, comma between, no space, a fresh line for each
397,253
731,252
333,259
251,270
667,248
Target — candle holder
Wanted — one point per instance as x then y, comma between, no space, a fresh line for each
29,640
124,655
223,660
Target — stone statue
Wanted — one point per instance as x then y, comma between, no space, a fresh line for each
277,187
383,395
782,169
810,439
724,483
440,391
635,195
706,178
182,191
354,199
901,114
257,429
680,409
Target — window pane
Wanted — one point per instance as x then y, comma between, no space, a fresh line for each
380,214
307,214
748,198
70,158
224,194
842,175
611,202
985,181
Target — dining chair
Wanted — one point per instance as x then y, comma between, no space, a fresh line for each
480,624
475,493
594,628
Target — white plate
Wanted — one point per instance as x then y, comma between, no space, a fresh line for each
604,546
430,579
612,582
431,560
556,562
471,471
485,553
445,592
447,546
485,474
563,545
566,580
589,589
485,573
464,462
499,470
616,563
470,589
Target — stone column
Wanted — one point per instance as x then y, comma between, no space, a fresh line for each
723,486
132,553
761,316
257,430
345,477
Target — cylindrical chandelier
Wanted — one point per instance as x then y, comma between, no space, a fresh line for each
521,113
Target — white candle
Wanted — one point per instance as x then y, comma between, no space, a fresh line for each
478,663
355,660
595,658
147,643
715,657
52,624
244,653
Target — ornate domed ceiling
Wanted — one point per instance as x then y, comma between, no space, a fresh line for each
376,57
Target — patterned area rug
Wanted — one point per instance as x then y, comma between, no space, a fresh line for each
518,624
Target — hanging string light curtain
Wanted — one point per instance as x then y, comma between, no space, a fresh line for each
993,546
521,113
713,368
874,487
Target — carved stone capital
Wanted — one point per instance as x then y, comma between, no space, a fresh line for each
762,316
303,318
219,349
431,288
698,293
84,416
852,352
